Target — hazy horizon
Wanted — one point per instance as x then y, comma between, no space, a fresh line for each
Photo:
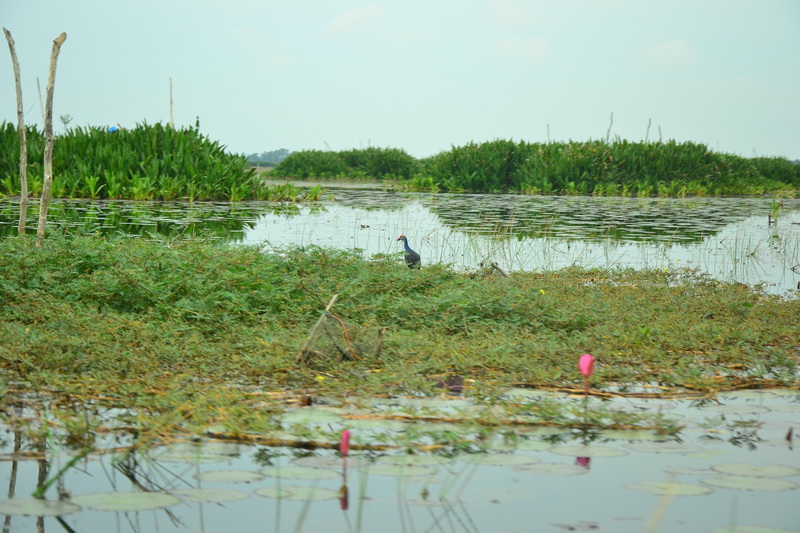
419,76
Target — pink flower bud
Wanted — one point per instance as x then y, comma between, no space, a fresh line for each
586,364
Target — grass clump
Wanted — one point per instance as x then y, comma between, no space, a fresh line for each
197,331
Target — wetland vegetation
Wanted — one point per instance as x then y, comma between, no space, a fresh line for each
117,351
188,333
600,168
149,162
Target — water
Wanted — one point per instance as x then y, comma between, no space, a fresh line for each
730,239
546,479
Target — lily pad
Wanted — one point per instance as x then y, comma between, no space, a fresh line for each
196,453
750,483
688,471
663,447
499,459
402,470
534,445
229,476
36,507
309,415
707,453
589,451
743,469
376,423
631,434
210,495
413,460
329,462
126,501
553,469
299,472
666,488
297,492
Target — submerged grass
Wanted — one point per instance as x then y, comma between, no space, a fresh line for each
191,333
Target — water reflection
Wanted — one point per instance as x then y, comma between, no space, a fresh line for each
516,484
729,238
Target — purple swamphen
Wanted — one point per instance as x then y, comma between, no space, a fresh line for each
412,257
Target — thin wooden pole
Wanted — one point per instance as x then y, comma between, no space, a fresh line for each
171,121
49,140
23,145
313,333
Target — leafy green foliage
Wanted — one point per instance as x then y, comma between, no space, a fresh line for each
149,162
92,312
596,167
372,163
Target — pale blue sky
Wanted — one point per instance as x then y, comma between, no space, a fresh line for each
421,75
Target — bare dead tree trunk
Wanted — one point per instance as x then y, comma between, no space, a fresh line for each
23,145
49,140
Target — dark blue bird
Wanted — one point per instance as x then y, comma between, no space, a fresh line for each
412,257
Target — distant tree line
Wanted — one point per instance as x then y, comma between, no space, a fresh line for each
273,157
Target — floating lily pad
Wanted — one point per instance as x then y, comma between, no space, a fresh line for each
663,447
210,495
229,476
499,459
196,453
707,453
402,470
743,469
553,469
413,460
631,434
329,462
126,501
524,394
689,471
543,430
589,451
665,488
36,507
297,492
299,472
275,493
376,423
534,445
309,415
750,483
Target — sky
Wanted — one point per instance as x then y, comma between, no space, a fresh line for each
419,75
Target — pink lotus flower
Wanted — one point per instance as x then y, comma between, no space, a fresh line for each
344,445
586,366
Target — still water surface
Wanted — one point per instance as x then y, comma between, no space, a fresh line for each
731,239
732,466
